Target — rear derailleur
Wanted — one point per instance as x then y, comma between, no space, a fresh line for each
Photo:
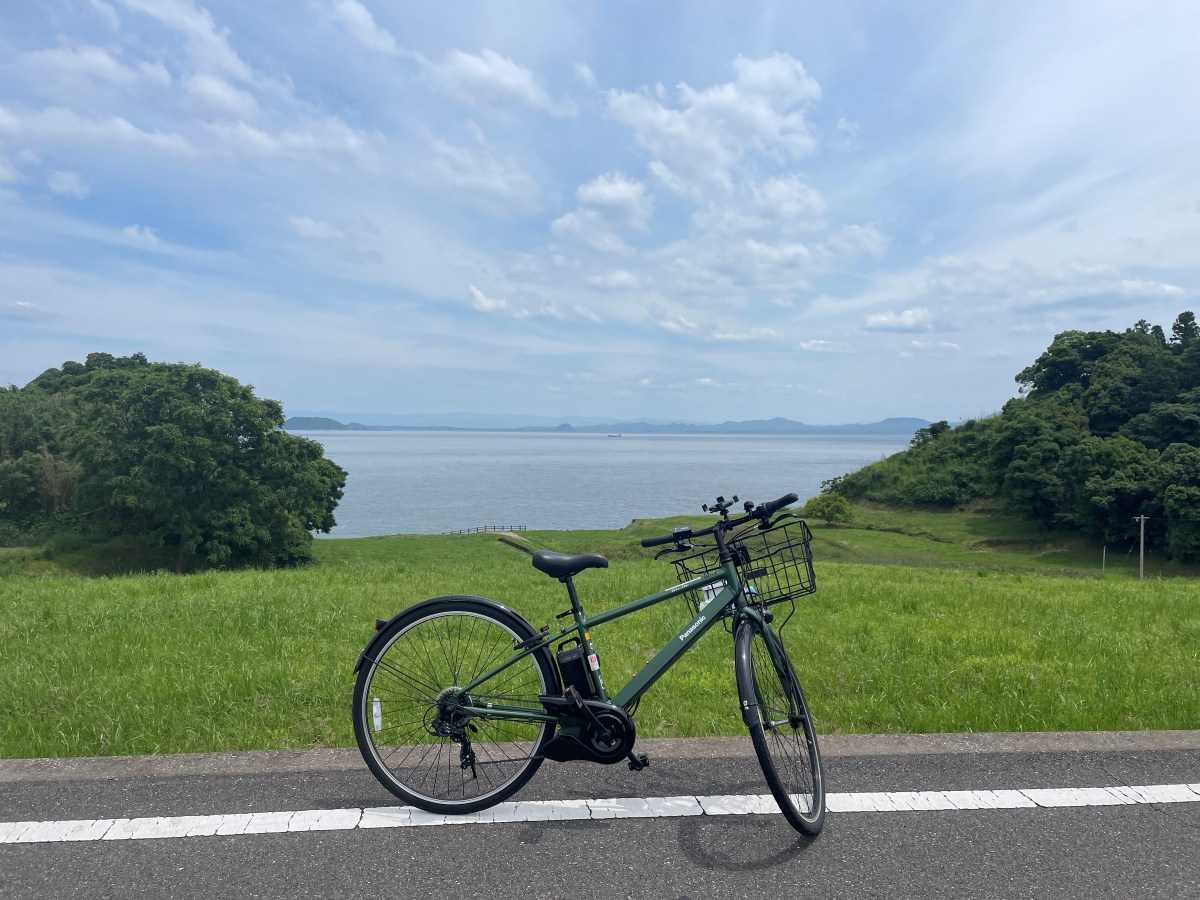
450,722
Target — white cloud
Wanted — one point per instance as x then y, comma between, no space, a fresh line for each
483,179
484,303
617,280
1042,298
141,234
607,204
678,325
1137,287
491,80
919,319
584,73
308,227
782,205
65,127
221,95
68,184
207,45
107,13
617,199
73,66
697,144
854,240
359,21
749,231
779,254
23,311
306,139
816,346
754,334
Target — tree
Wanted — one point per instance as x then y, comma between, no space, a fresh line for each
832,508
930,433
188,457
1179,483
1185,330
1107,427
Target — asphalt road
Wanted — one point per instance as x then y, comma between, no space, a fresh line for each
1092,852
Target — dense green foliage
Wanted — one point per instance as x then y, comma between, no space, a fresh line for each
179,455
1107,427
830,508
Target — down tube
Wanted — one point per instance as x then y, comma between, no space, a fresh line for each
676,647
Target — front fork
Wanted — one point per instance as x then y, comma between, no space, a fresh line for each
778,659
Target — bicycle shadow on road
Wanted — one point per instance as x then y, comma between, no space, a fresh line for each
707,842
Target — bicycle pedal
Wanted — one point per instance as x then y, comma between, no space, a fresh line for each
638,761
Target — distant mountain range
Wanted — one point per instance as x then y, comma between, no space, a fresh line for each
473,421
754,426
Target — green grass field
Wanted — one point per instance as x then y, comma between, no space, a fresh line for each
946,623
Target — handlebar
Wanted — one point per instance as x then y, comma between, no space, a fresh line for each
679,534
660,539
768,509
762,512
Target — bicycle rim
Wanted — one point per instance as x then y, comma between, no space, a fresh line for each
397,711
783,735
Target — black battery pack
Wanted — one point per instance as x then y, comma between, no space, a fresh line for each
572,665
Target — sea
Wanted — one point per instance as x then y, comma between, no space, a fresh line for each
430,482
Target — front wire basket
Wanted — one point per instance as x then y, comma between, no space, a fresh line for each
774,565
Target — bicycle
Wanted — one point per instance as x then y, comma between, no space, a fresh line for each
459,700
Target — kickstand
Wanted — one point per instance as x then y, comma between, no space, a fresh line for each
638,761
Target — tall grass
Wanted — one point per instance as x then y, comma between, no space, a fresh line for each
256,660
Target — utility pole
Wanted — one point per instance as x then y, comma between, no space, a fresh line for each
1142,549
1103,560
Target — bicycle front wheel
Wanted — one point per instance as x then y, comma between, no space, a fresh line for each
411,733
774,709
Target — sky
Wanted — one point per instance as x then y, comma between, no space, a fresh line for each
828,212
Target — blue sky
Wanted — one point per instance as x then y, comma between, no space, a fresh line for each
830,212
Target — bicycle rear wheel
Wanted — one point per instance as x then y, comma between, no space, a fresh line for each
407,725
774,709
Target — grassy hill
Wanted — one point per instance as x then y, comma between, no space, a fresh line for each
1107,429
979,537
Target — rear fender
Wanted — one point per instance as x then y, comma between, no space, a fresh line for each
377,638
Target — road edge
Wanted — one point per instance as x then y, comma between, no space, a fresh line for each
325,759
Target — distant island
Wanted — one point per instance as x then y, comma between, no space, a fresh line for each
778,425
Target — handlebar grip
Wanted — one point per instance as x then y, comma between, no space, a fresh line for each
659,539
783,501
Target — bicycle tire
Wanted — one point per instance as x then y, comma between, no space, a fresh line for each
776,713
443,643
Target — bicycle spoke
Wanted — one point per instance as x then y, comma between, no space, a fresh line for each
413,674
781,736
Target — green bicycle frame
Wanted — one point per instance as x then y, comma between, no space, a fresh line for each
641,682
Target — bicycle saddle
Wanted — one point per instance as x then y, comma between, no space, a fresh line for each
564,565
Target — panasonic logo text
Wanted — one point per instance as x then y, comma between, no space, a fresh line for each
687,634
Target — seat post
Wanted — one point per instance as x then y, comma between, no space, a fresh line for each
570,583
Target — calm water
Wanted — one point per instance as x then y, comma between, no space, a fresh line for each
430,482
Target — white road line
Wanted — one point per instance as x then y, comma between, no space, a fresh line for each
305,820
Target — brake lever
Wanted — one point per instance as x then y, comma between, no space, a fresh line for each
766,523
678,548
